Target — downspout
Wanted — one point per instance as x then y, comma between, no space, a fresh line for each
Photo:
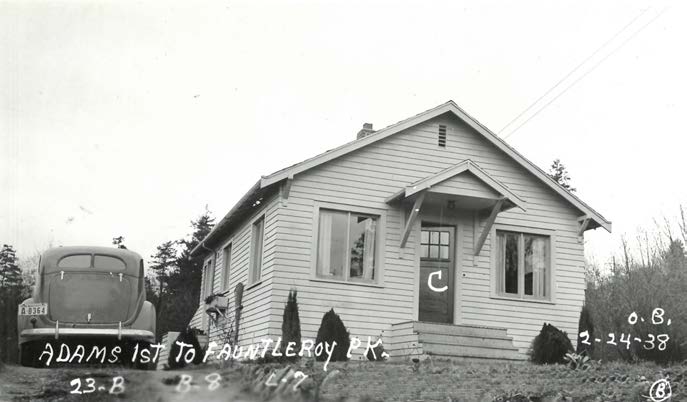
202,244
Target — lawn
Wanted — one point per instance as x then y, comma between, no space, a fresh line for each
443,380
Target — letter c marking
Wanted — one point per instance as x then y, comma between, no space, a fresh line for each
429,282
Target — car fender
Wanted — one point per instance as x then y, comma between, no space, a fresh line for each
146,318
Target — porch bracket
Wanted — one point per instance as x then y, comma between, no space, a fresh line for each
285,189
411,219
584,224
487,227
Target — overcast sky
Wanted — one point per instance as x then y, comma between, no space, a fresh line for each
127,118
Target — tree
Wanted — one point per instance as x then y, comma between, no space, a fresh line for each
183,277
674,257
12,291
585,324
29,268
291,323
10,274
119,242
559,173
163,263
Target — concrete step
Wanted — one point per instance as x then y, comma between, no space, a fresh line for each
460,330
471,352
464,340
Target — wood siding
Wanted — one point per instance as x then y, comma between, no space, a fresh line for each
366,178
257,300
467,184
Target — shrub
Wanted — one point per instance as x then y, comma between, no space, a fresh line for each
291,325
657,279
332,329
550,346
376,353
585,324
189,336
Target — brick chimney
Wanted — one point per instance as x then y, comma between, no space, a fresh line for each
365,131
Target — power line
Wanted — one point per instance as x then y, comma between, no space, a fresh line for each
586,73
571,72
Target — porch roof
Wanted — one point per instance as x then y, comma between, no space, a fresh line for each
491,188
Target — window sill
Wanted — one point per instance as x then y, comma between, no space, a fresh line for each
252,285
367,284
519,299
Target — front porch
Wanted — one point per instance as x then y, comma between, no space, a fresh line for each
413,339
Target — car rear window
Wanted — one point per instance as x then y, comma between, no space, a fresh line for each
108,263
75,261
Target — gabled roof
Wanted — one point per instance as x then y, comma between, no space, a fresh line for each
595,218
453,171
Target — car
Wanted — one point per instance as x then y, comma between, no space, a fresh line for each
87,296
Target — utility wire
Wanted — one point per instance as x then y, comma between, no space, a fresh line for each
586,73
571,72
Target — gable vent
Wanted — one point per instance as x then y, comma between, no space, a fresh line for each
442,135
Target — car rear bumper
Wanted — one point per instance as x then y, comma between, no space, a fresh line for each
57,333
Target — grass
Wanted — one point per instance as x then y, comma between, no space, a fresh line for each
443,380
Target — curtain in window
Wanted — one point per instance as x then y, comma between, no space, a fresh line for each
369,248
324,244
539,265
208,277
501,262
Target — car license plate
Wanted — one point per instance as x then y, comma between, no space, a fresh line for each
33,309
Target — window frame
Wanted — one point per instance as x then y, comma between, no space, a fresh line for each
226,266
208,266
551,274
380,243
253,265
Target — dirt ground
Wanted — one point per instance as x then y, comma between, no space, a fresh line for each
60,384
430,380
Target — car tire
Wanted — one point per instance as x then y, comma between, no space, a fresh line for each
29,355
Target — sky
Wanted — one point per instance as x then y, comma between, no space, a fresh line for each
128,118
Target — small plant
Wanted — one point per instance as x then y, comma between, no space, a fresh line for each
320,379
550,346
210,298
332,329
377,353
577,361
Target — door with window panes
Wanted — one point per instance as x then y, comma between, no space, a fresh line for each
437,254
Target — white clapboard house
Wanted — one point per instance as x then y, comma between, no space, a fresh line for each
432,232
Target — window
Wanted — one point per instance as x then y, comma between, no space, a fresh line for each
208,278
346,246
75,261
434,244
523,264
257,238
226,269
107,263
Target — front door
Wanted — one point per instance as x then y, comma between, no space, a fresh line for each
437,254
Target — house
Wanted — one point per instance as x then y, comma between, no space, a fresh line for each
432,232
